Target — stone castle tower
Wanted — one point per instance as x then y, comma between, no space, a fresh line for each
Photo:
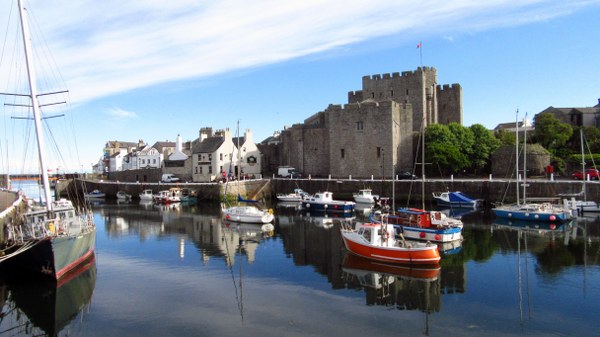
375,133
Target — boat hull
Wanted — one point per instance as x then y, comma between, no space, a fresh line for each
405,255
56,256
529,216
331,207
430,234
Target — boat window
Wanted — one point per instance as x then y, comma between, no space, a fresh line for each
367,234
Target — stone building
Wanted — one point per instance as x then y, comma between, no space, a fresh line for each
374,134
587,116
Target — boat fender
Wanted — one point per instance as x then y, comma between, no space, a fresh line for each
51,227
270,211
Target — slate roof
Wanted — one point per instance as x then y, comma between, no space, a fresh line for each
160,146
241,139
209,145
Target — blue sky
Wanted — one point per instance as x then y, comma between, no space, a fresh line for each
152,70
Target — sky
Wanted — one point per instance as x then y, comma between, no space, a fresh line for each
152,70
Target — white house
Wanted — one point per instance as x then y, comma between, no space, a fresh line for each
149,157
249,155
213,155
116,161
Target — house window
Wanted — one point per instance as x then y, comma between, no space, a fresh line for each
153,161
378,152
342,152
210,169
201,170
220,156
143,161
210,157
359,125
199,157
196,170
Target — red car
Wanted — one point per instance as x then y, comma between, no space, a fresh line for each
593,173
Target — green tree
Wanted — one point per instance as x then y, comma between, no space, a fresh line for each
442,149
484,145
551,133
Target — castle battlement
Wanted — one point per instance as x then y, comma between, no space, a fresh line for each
395,75
452,86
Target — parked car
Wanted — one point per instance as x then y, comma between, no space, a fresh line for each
593,173
404,175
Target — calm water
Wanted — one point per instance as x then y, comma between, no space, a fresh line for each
181,271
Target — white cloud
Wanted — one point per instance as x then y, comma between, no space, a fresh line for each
107,47
118,113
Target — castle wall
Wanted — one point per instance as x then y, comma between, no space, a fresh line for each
368,139
450,103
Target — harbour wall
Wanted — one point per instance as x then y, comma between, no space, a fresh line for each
491,190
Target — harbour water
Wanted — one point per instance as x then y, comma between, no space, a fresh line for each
182,271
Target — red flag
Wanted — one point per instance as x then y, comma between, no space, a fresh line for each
419,45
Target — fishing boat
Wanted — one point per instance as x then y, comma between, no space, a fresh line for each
323,201
378,241
172,195
124,196
188,196
146,195
296,196
95,194
360,266
456,199
53,237
365,196
540,211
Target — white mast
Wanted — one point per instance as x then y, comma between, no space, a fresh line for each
35,104
517,155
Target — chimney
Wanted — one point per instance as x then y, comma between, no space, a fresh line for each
178,144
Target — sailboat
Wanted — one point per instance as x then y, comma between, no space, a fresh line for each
544,211
53,237
583,206
243,212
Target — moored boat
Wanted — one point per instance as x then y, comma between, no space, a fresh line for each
247,213
418,224
323,201
122,195
378,241
146,195
52,238
365,196
296,196
95,194
456,199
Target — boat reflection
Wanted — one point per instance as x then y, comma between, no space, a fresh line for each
449,248
47,308
327,220
533,227
404,287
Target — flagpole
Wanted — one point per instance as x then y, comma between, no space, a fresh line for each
421,52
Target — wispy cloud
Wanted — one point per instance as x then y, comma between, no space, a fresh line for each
107,47
118,113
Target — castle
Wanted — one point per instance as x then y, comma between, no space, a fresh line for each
376,132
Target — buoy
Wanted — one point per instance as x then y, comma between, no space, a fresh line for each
422,235
552,218
438,237
552,226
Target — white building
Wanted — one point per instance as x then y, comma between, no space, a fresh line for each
249,155
213,155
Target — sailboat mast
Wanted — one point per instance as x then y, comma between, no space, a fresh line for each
584,176
524,159
517,155
37,116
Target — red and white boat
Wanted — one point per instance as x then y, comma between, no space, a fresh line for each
378,242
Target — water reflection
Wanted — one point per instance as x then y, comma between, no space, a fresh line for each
298,274
38,307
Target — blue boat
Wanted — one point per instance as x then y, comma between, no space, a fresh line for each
323,201
456,199
533,212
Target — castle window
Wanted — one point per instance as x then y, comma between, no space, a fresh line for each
359,125
406,92
342,153
372,95
391,92
378,152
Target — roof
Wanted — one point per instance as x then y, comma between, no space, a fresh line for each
160,146
241,140
114,143
208,145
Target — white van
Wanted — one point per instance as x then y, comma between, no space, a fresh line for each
169,178
287,172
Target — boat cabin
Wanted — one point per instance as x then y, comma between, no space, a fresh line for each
377,234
